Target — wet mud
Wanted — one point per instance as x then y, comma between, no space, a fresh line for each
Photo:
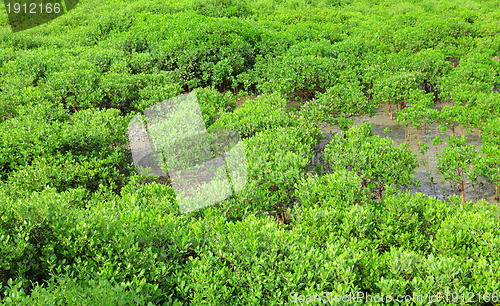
431,181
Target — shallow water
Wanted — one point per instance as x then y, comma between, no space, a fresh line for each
431,181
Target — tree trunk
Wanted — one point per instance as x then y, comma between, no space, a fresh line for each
463,189
390,109
496,192
363,182
279,218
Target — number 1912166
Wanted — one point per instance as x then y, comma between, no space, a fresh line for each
470,297
33,8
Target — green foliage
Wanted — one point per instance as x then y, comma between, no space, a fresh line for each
306,67
264,112
330,189
158,87
77,226
53,148
213,104
476,73
276,160
201,51
463,233
109,237
404,242
121,88
33,126
420,114
457,162
274,258
76,86
338,103
294,76
27,68
395,87
488,164
226,8
378,162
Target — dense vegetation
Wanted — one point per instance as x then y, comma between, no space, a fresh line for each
79,226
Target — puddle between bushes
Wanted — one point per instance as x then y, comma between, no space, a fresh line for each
431,180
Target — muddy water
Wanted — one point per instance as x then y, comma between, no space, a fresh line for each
431,180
